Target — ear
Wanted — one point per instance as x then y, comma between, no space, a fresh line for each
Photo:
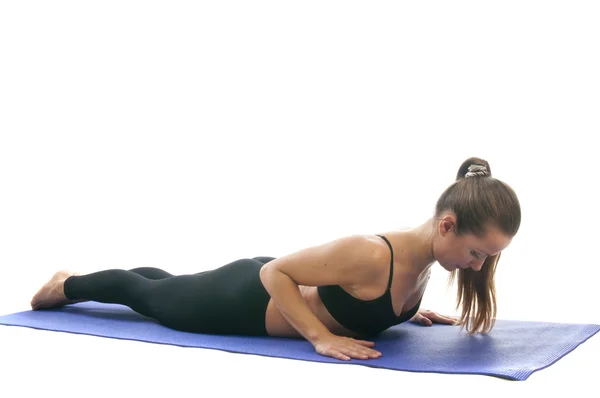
447,224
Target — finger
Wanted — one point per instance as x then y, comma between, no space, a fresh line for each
443,319
371,353
418,318
421,320
439,319
435,317
359,353
365,343
339,355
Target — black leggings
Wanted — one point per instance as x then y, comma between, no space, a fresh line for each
227,300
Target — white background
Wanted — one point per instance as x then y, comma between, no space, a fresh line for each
186,135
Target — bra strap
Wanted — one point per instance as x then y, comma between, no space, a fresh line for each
391,262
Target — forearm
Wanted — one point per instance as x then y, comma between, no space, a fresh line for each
288,299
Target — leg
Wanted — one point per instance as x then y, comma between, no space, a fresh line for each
56,292
157,273
47,297
151,273
118,287
229,299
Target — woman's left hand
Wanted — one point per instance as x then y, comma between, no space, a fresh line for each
428,318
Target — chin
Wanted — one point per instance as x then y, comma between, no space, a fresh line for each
449,267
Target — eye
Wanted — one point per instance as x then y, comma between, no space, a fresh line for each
474,254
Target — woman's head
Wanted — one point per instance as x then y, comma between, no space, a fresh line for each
476,219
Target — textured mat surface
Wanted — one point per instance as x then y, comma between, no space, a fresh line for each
513,350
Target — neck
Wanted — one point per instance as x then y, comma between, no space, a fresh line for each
421,242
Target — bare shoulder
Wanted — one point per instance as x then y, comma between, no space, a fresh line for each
361,248
346,260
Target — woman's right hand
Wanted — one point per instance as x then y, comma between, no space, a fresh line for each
345,348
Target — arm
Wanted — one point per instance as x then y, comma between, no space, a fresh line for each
344,261
427,317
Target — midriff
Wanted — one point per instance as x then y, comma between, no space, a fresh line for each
277,325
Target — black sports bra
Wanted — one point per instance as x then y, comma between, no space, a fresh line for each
365,317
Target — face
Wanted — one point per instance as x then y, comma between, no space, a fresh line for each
466,251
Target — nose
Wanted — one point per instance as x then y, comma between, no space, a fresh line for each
477,264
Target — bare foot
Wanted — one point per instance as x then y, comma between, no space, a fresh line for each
52,294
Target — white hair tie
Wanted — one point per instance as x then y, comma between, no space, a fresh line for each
476,170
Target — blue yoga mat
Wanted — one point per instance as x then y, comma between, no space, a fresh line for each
513,350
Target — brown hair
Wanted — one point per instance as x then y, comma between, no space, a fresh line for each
478,202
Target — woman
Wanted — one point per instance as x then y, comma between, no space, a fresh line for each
336,294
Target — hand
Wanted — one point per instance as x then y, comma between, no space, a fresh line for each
427,318
345,348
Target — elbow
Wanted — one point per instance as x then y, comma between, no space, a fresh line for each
271,276
267,275
264,274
